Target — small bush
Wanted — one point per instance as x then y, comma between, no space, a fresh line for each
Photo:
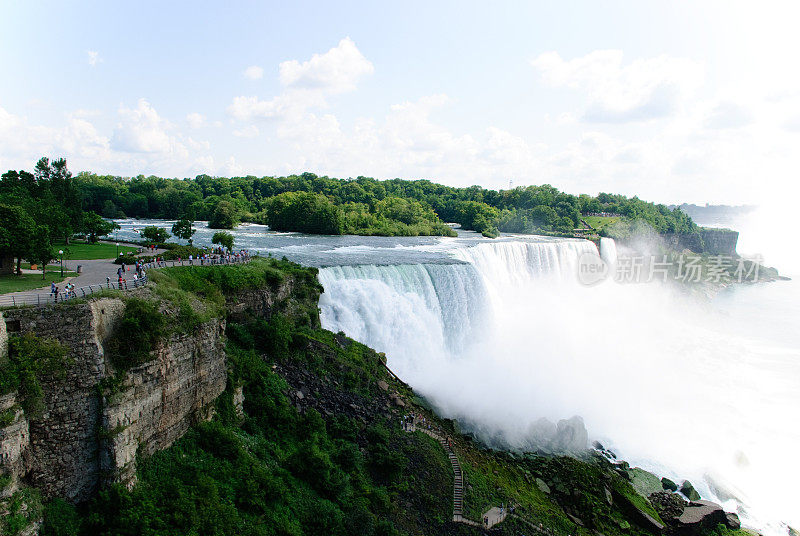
138,331
60,519
30,359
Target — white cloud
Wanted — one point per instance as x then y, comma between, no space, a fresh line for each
254,72
336,71
642,90
250,131
195,120
142,130
249,108
306,85
729,115
94,57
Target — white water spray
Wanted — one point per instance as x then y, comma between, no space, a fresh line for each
509,337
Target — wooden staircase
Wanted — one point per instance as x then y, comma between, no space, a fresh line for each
458,478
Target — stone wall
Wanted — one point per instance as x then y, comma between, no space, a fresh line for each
63,450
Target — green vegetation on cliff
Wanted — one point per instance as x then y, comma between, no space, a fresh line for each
317,446
29,359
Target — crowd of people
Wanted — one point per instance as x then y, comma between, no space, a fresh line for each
68,292
125,279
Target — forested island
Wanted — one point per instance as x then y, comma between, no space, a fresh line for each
365,206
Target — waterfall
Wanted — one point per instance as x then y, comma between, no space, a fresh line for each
504,336
608,251
418,313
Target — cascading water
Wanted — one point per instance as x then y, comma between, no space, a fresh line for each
437,311
414,312
506,336
444,319
608,250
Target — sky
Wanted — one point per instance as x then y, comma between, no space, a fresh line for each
673,101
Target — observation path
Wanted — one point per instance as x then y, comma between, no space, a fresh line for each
491,517
101,274
458,480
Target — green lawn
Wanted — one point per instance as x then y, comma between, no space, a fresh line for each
17,283
84,251
598,222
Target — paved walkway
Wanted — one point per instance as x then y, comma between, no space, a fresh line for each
94,274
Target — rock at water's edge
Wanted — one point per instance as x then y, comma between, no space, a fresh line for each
688,490
668,484
732,521
699,517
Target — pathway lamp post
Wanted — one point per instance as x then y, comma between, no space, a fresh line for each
61,254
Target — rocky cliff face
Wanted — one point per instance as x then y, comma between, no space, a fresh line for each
160,400
708,241
96,419
84,438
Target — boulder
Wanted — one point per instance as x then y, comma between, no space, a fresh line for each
571,435
732,521
668,484
699,517
636,514
669,505
542,485
688,490
644,482
383,385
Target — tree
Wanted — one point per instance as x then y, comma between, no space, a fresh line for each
224,216
41,250
17,229
95,226
56,180
304,212
183,229
155,234
224,239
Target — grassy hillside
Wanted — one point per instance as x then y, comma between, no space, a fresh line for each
319,446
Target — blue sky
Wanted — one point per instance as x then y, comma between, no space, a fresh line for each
673,101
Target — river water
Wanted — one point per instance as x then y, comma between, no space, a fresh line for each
499,334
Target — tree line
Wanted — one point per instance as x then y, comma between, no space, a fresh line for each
367,206
47,206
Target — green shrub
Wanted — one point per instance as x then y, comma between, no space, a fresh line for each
60,519
137,332
29,360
